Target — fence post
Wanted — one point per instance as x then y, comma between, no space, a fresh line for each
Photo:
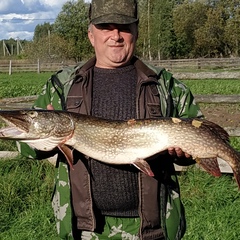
10,67
38,66
198,64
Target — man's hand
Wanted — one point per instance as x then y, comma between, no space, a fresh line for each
178,152
50,107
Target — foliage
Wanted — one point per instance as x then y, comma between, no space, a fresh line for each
72,24
232,33
65,39
49,48
42,31
187,18
210,36
167,29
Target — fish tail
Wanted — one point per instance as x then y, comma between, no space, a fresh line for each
237,178
236,170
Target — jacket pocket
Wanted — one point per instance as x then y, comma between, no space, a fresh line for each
154,110
74,103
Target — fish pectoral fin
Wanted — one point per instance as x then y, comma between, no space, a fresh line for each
143,166
210,165
67,153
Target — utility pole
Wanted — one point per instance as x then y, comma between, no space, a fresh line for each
19,46
49,43
5,49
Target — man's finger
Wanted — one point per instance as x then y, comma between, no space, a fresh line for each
50,107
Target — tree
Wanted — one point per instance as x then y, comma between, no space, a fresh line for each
187,18
163,36
141,49
156,29
42,30
167,29
209,39
232,30
57,49
72,25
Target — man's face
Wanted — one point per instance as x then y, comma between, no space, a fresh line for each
114,44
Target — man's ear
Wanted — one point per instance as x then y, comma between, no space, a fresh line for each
90,36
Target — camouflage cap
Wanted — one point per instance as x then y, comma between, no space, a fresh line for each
113,11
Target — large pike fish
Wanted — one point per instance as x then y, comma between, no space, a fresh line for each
121,142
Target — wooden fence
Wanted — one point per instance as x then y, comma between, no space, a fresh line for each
14,66
200,63
11,66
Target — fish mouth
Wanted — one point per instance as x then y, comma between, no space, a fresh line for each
12,132
16,123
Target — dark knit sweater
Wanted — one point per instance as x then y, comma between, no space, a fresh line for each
115,187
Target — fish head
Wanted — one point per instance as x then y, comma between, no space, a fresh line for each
32,125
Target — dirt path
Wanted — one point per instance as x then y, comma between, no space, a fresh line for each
226,115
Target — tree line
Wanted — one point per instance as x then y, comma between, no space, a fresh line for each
168,29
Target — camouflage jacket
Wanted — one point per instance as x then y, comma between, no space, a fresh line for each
159,94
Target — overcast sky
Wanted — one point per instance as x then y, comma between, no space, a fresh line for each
18,18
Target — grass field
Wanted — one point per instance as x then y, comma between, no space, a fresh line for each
25,200
22,84
214,86
212,204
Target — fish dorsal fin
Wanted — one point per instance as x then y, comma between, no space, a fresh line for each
215,128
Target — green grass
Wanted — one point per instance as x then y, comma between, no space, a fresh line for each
22,84
25,200
214,86
211,204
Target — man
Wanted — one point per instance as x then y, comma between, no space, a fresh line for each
101,201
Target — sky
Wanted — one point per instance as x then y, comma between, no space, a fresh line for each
18,18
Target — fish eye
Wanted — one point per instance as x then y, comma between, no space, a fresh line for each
32,114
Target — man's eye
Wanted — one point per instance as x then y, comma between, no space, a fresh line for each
103,26
110,27
125,29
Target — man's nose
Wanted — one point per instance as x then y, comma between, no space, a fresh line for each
116,34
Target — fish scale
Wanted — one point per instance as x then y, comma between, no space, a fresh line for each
121,142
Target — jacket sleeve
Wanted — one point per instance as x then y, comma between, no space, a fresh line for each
183,101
